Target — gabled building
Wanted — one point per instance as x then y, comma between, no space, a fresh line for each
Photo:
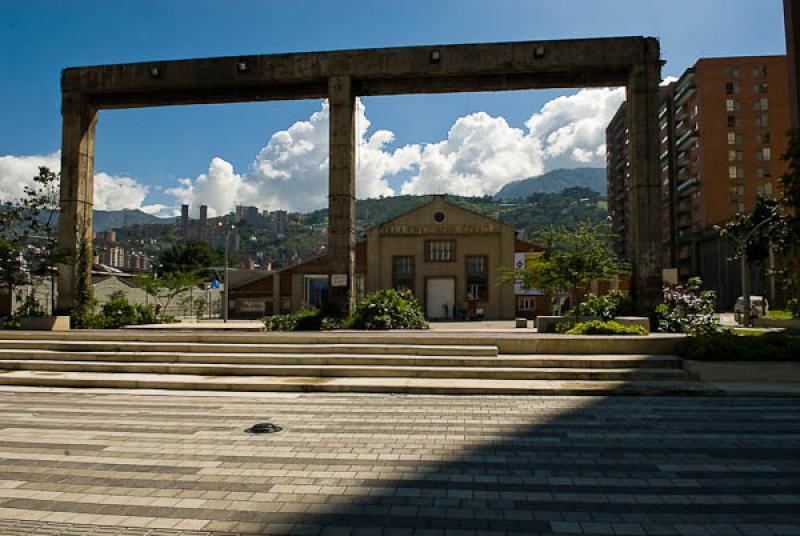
447,255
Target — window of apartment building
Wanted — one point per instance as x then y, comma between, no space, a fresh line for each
477,277
760,71
761,88
734,122
731,172
734,138
763,172
761,104
732,72
764,154
762,120
731,88
762,137
440,250
767,188
732,105
403,272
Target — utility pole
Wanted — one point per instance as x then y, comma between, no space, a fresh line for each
227,286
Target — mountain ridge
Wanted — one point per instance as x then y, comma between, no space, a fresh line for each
555,181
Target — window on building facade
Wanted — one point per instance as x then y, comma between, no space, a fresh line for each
732,172
767,188
730,105
762,104
440,250
761,88
764,154
763,137
732,88
732,72
403,272
760,71
477,277
526,303
734,138
764,172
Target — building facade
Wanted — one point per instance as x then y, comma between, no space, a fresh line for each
723,128
449,257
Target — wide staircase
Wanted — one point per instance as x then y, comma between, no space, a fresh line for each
334,363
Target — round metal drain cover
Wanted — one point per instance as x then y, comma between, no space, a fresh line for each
264,428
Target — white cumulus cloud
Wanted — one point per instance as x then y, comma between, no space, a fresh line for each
111,192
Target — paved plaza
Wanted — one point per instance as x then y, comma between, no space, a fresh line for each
82,462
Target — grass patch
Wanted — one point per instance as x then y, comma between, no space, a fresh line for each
780,314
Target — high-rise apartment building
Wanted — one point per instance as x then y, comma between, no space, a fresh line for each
723,128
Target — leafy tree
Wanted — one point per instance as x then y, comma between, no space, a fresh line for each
167,287
191,256
790,183
572,258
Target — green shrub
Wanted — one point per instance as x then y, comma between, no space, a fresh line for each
732,347
11,322
599,327
688,309
794,307
389,309
118,312
303,320
605,307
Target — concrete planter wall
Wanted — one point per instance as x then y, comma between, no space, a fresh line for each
745,371
546,324
791,324
45,323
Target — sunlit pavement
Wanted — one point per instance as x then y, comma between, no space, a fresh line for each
84,462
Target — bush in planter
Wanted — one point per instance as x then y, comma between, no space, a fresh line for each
389,309
793,306
731,347
599,327
605,307
687,309
303,320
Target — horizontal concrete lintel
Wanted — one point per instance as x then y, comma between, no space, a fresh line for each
493,66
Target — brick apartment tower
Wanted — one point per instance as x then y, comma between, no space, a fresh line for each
723,128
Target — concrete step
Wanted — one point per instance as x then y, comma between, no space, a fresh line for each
351,371
525,342
485,350
537,361
352,385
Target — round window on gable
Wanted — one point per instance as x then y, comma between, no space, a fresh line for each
438,217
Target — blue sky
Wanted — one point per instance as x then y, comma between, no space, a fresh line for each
153,148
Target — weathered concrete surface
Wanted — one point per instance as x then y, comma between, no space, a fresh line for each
341,76
745,371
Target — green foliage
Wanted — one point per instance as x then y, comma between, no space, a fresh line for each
118,312
30,306
191,256
11,322
790,183
82,314
603,306
598,327
572,257
793,305
302,320
688,309
731,347
166,288
389,309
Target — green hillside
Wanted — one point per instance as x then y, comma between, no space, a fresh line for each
554,182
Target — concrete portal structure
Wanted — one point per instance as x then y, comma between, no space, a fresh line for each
341,76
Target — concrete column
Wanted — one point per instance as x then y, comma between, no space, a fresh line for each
645,202
342,192
79,118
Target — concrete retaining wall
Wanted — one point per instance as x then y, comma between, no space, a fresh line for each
745,371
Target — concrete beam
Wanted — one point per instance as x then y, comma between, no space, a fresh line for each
385,71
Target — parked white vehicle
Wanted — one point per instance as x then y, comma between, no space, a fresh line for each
759,306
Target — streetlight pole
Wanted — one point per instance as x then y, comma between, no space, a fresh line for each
746,273
225,290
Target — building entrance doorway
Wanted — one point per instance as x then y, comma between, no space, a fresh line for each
440,297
